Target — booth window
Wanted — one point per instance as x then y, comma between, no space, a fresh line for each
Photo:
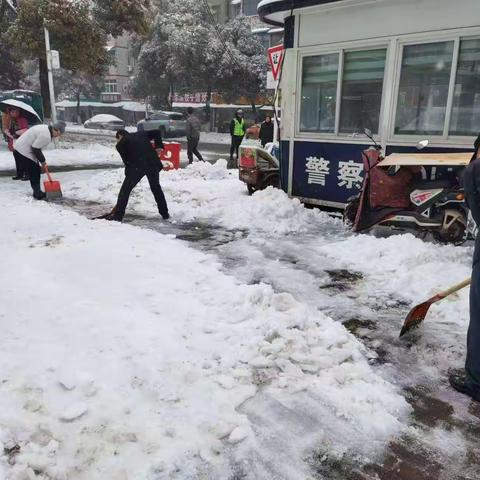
465,119
423,92
362,87
360,74
319,93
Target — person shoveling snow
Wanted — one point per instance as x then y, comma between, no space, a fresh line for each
140,160
28,152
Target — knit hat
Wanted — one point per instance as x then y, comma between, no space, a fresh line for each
59,127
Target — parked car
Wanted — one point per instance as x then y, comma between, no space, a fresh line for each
253,132
171,124
104,121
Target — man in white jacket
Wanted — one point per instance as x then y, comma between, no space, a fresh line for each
28,152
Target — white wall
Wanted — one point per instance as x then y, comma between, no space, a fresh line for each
383,18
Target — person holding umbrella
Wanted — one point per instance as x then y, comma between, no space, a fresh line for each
16,124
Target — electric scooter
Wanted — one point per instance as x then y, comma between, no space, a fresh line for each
394,194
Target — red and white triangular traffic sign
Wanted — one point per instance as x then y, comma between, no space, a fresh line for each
275,58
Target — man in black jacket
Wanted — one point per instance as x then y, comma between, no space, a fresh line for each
469,382
266,131
140,160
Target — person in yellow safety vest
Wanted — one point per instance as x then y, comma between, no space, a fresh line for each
237,132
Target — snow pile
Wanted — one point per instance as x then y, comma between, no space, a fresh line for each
138,354
210,194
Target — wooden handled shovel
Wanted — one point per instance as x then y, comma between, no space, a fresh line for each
417,314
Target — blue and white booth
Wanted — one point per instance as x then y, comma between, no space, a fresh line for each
405,69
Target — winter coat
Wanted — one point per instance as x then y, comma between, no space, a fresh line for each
13,126
137,151
266,133
193,127
31,143
476,146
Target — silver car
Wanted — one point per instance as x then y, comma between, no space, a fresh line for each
171,124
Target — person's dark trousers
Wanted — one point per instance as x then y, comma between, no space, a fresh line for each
132,177
472,365
192,149
33,171
19,166
234,147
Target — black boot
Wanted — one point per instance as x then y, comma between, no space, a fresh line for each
459,382
38,194
17,177
112,217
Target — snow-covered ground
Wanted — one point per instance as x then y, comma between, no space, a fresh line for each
127,353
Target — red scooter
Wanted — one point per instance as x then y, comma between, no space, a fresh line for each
395,194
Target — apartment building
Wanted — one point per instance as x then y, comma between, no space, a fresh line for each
117,80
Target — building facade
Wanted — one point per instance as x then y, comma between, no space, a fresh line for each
116,85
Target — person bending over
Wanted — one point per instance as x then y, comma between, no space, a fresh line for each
140,159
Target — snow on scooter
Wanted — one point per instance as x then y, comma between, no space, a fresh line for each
395,193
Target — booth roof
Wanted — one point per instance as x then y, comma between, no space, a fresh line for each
274,11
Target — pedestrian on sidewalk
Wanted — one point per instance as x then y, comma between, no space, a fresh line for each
266,131
15,125
237,132
28,152
468,382
193,136
140,159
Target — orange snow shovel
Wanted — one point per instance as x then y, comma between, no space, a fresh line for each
52,187
417,314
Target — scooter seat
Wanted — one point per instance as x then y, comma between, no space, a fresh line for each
432,184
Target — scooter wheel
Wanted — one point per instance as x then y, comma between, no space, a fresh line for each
456,234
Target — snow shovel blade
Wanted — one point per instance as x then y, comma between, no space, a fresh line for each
52,189
418,313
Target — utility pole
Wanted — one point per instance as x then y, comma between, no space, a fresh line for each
50,76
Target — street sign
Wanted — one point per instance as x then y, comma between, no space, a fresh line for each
275,57
55,56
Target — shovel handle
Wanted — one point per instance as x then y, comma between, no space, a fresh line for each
48,173
455,288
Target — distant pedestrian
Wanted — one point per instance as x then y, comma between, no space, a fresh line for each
28,152
468,382
237,132
16,125
266,131
193,136
140,159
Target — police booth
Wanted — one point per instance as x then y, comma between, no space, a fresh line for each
407,70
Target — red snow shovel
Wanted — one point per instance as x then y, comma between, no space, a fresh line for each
52,187
417,314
